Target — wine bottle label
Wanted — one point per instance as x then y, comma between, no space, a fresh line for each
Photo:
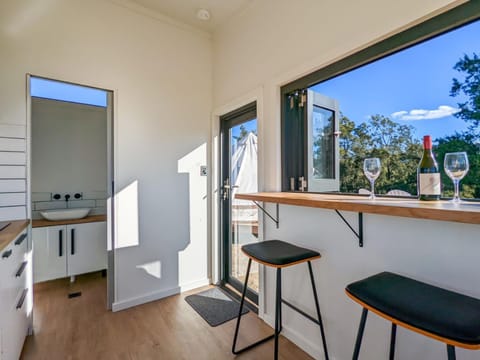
429,184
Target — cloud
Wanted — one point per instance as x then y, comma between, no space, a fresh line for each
421,114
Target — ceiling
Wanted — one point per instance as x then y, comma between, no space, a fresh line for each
185,10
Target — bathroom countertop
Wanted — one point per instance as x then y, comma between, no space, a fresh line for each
88,219
9,234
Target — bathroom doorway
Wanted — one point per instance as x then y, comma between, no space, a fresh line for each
71,186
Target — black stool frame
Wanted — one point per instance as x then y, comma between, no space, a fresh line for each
278,313
393,335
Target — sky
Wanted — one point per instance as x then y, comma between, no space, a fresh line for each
57,90
412,87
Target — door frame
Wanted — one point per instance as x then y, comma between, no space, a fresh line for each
227,121
214,231
110,149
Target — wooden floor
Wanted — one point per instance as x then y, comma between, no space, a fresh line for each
82,328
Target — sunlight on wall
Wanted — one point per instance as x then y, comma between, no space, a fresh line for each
191,260
126,207
153,268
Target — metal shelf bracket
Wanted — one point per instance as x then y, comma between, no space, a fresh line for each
275,220
358,234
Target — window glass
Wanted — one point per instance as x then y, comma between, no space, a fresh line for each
386,107
57,90
323,143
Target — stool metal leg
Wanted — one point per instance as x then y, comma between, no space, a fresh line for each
317,306
393,337
358,343
278,310
237,327
451,352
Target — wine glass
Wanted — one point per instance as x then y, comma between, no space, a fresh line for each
456,166
371,169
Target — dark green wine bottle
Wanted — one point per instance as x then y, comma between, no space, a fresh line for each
428,174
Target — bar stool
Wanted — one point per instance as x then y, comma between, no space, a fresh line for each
279,254
444,315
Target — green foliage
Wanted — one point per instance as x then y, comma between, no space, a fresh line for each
469,186
468,87
380,137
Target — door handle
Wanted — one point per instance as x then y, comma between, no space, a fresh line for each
60,243
72,242
6,254
20,239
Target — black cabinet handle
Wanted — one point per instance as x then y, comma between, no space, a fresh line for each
22,299
20,239
60,243
6,254
21,269
72,248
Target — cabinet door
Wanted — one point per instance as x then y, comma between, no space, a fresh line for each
87,247
49,253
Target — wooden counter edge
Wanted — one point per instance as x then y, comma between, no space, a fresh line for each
417,210
9,234
43,223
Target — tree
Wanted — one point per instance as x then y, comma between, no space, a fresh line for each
470,188
380,137
469,86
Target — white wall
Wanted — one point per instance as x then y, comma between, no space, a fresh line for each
270,44
161,77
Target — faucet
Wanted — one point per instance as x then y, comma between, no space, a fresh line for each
67,197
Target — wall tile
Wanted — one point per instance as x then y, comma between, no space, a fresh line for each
81,204
49,205
41,196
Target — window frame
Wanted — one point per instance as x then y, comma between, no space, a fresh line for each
457,17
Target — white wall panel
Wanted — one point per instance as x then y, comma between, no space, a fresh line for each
7,186
13,199
7,144
13,213
12,172
12,158
13,131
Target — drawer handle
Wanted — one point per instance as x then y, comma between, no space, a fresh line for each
60,243
20,239
21,269
7,254
22,299
72,248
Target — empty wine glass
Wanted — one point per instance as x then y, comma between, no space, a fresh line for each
371,169
456,166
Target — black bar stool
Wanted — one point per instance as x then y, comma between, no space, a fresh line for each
279,254
444,315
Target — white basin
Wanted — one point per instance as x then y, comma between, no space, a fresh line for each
65,214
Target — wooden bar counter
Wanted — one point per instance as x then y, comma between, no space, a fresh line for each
465,212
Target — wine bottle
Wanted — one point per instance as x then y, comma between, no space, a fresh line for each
428,174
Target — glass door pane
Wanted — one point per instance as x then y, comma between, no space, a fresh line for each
244,214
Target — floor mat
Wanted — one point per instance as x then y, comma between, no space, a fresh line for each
215,306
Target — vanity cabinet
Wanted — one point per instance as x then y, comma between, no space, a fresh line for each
15,297
68,250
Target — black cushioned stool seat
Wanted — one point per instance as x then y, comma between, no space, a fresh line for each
432,311
279,254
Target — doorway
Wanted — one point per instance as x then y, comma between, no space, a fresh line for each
239,218
70,140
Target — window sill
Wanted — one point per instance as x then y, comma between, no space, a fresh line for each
467,212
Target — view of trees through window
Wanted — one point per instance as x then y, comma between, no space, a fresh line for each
387,106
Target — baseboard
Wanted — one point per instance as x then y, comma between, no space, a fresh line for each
157,295
313,349
194,284
139,300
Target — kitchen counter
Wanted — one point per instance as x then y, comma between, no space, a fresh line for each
8,234
88,219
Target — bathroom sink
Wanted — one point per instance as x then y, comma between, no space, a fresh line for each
65,214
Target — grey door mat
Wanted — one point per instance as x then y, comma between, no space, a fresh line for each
215,306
